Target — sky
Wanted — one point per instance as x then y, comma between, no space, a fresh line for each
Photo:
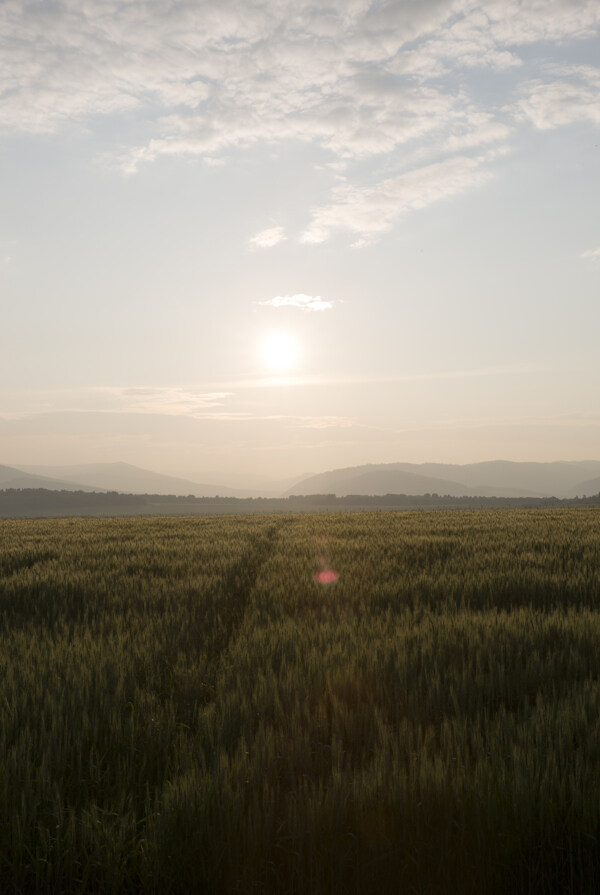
252,239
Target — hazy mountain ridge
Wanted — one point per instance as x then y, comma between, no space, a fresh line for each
10,477
125,478
590,487
499,478
496,478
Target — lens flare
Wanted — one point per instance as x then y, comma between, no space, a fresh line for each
326,576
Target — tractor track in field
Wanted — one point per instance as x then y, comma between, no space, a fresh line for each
239,583
237,588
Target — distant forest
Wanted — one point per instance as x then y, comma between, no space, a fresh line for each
18,503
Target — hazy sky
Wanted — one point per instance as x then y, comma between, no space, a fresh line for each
270,237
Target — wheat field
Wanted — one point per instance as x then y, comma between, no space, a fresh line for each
186,708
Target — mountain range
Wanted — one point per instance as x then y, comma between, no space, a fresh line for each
121,477
497,478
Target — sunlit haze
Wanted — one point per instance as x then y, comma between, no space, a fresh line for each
244,241
279,351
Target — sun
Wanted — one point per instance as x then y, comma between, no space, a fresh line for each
279,351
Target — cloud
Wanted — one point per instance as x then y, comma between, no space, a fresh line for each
350,75
304,302
488,35
479,129
358,80
98,410
569,95
137,399
594,254
515,23
323,422
265,239
164,400
371,211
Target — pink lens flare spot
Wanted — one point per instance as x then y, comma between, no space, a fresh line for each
326,576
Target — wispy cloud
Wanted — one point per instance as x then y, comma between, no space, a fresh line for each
320,381
265,239
565,96
218,400
154,404
162,400
303,302
594,254
323,422
371,211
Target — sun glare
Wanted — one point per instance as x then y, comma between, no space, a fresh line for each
279,351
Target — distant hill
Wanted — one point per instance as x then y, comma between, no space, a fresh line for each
376,481
586,489
497,478
18,478
127,479
560,479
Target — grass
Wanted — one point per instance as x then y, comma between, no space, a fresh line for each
183,709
